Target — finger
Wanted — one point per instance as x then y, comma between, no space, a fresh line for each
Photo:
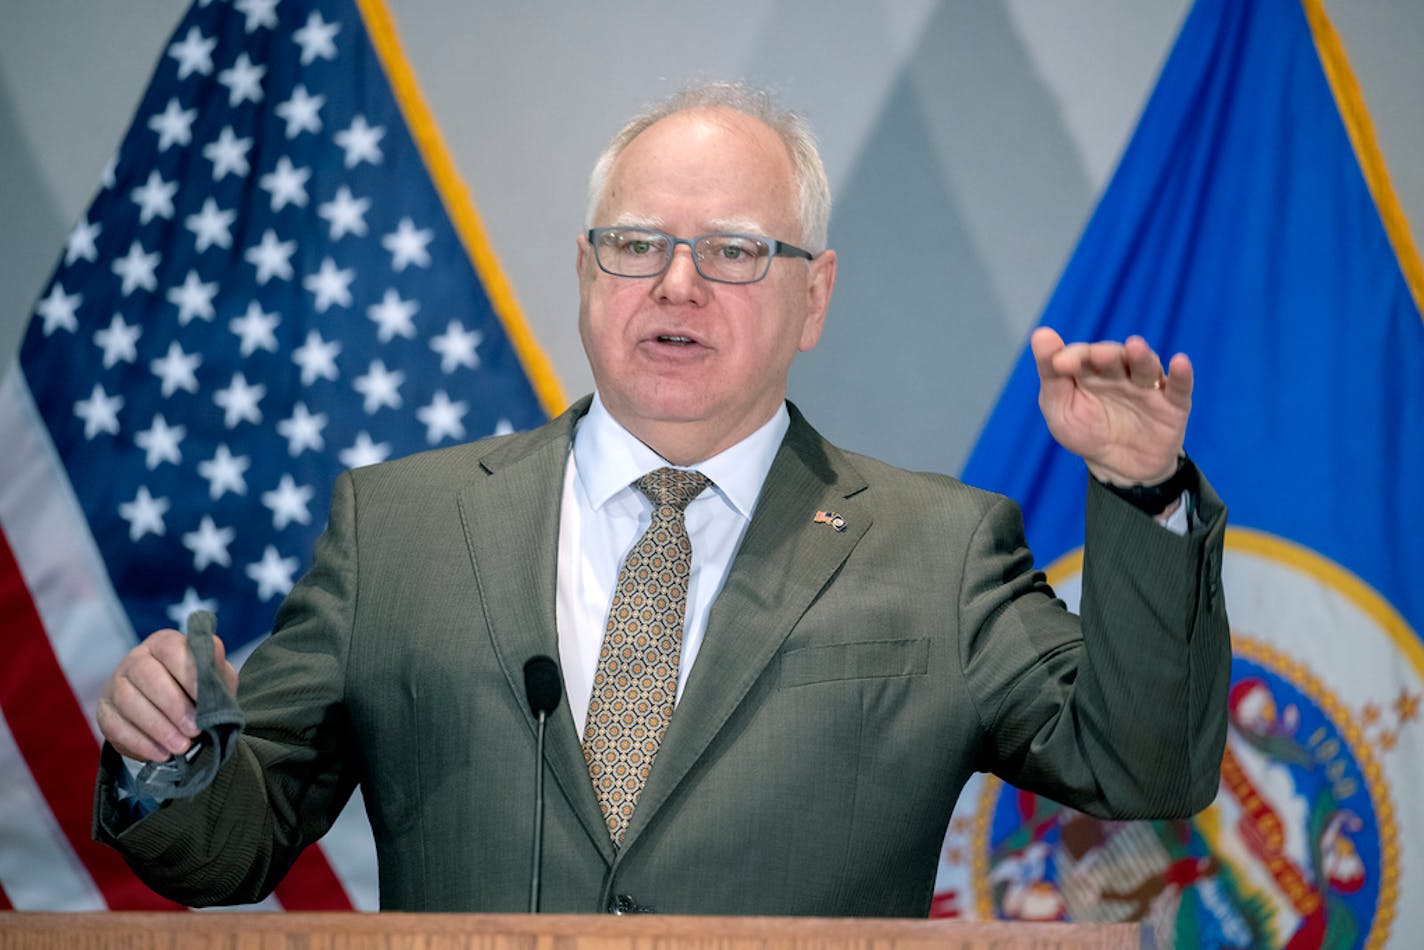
152,741
1144,368
1180,379
1107,360
128,741
1072,362
153,700
170,649
1075,359
153,690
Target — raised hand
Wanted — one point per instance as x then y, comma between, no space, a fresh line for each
1112,405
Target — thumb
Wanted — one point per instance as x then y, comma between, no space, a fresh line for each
1045,343
225,669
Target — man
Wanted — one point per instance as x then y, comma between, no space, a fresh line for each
857,641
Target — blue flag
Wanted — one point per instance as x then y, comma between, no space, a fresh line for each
1251,225
280,278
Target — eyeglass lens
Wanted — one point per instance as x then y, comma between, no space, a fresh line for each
638,252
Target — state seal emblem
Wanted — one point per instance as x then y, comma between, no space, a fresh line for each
1305,843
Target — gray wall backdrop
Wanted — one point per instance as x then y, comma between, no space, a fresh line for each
967,142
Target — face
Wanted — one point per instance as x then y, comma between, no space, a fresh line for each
688,365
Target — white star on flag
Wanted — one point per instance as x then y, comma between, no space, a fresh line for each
119,341
287,184
329,285
380,387
209,544
360,142
345,214
316,39
273,573
177,370
243,81
288,503
259,13
144,514
174,125
161,443
302,112
211,226
154,198
80,244
302,430
179,612
456,347
193,298
225,472
228,153
317,358
100,412
239,401
136,269
442,418
407,245
394,316
57,310
365,452
272,257
255,330
194,54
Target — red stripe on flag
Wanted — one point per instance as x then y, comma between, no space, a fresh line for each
945,904
5,900
53,734
311,884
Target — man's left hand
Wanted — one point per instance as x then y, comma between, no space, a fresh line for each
1112,405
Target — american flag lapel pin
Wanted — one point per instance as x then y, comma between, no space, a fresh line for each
830,518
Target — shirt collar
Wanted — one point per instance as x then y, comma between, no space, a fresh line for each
609,458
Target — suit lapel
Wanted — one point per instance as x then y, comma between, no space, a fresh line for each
511,522
786,558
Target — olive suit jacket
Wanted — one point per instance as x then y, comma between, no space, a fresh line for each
851,680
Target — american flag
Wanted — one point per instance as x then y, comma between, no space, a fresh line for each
280,278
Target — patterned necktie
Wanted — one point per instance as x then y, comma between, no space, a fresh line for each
636,680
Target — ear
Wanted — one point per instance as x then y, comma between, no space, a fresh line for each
583,251
821,282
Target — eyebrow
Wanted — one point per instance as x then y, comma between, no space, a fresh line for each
626,220
737,226
715,226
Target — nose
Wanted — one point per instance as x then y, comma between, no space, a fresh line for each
681,282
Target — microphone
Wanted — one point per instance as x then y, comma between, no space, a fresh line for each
543,689
542,685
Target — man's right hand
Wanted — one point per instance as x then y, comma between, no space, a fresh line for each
147,710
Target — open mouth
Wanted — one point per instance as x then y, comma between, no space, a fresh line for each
676,340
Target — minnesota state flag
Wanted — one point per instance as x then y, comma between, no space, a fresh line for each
1251,225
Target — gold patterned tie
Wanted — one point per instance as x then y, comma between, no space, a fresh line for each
636,680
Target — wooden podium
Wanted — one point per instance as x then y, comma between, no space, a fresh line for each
241,930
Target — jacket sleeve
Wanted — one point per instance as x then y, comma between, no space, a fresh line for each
294,767
1121,712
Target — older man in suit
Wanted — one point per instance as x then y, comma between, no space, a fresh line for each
849,642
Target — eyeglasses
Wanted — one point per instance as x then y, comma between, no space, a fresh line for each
727,258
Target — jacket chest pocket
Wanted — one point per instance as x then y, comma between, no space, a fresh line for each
866,659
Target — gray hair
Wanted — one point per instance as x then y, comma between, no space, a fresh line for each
813,189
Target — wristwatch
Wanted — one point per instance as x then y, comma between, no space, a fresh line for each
1154,499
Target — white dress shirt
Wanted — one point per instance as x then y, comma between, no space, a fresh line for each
602,515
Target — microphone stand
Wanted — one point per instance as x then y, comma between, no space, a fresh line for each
536,867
